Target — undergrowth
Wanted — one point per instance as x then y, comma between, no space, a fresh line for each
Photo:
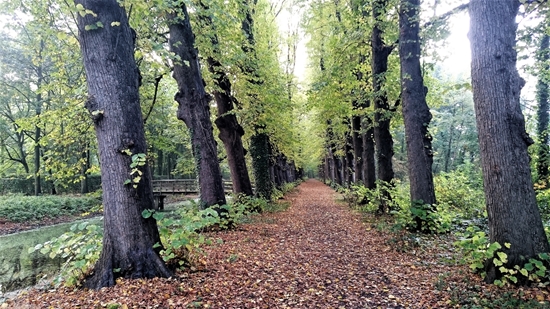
182,235
20,208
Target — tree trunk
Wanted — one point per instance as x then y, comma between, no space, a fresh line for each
231,131
37,178
349,166
357,148
112,77
511,205
37,130
542,113
382,115
194,109
259,150
416,112
160,163
369,164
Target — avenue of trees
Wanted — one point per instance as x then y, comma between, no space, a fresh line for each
372,104
133,90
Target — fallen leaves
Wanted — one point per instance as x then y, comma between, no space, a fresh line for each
317,254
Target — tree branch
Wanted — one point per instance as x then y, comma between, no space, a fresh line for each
446,15
157,81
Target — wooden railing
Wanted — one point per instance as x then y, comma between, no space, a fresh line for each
182,186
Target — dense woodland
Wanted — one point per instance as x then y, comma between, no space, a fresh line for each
131,91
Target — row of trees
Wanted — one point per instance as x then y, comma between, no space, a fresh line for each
359,92
228,52
46,133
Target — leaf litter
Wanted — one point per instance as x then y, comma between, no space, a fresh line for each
316,254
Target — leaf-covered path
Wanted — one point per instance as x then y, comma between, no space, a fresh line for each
316,254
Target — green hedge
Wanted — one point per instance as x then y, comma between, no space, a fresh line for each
19,208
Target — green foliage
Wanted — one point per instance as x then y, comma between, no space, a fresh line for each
461,191
434,219
368,200
249,204
80,248
543,201
479,253
417,216
182,235
472,299
287,187
18,208
139,160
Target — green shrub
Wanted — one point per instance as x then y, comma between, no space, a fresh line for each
435,219
478,253
80,248
462,192
19,208
285,188
368,200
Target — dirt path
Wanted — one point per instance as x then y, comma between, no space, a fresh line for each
317,254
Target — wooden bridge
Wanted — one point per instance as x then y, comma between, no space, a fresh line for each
163,187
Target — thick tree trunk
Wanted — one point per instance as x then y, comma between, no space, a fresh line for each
194,109
416,112
231,131
542,113
382,115
112,77
511,205
230,134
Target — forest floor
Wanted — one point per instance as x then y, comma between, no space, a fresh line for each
318,253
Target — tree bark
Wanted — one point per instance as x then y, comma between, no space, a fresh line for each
382,116
357,141
194,109
37,129
369,163
112,77
416,112
259,150
231,131
510,199
542,113
349,166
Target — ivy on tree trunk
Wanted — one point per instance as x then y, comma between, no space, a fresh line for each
129,240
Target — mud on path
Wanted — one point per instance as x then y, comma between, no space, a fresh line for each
316,254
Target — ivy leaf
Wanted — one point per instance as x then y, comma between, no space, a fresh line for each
90,27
